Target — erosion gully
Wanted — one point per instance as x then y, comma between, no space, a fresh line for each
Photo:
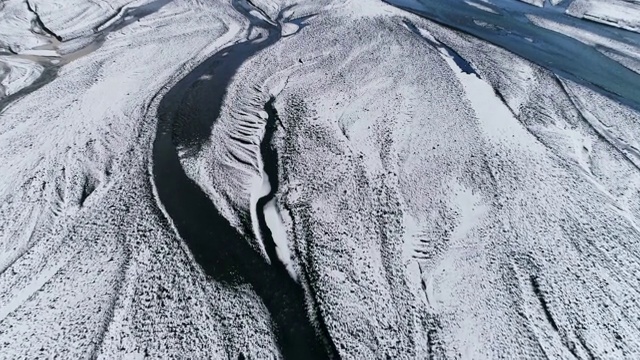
186,114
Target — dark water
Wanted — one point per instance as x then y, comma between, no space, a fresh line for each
556,52
186,116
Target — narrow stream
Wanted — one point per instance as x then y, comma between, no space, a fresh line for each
186,115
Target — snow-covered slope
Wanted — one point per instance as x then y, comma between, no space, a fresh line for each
316,179
90,267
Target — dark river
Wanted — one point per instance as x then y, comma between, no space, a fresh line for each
185,117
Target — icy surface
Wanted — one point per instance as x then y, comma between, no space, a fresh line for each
319,179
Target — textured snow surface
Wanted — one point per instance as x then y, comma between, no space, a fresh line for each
316,179
73,18
619,13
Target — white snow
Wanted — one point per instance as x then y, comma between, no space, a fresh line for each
538,3
17,73
422,210
620,13
75,18
481,6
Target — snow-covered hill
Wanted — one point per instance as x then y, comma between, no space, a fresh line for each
318,179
